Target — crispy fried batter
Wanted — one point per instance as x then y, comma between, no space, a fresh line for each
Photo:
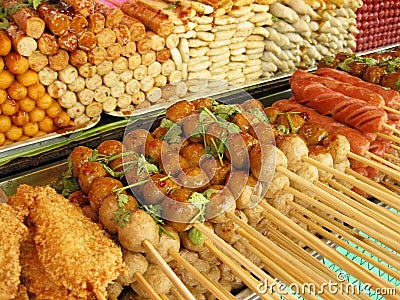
34,276
22,201
75,252
12,231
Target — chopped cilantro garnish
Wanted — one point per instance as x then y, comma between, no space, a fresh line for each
195,236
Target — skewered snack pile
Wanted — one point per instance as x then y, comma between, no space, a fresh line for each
187,206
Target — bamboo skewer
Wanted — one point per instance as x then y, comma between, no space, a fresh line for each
372,187
389,137
288,263
233,253
354,237
326,196
164,297
345,232
380,213
378,192
283,276
146,287
384,161
396,103
392,128
168,271
363,217
387,155
392,110
250,281
395,147
388,171
315,243
215,290
393,187
345,245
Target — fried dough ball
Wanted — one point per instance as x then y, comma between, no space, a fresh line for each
14,133
36,114
5,123
16,63
26,104
20,118
9,107
6,79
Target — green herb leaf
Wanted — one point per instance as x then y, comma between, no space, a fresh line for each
209,192
122,216
173,134
344,65
397,84
259,114
199,201
122,200
329,60
393,65
4,24
225,111
283,129
233,128
172,5
196,236
145,166
275,19
155,210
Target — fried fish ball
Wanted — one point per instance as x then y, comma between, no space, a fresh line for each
5,123
105,67
94,109
16,63
110,104
68,99
20,118
82,120
54,110
3,96
63,120
37,115
76,110
6,78
28,78
68,75
47,76
57,89
36,91
30,129
17,91
46,124
27,104
2,138
14,133
78,84
1,63
44,102
86,96
9,107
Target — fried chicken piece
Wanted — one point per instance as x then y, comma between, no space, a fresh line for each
34,276
12,232
75,252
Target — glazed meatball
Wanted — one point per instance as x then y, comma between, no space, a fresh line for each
263,162
291,121
214,170
102,187
157,188
141,227
190,125
203,102
252,104
193,153
110,148
194,178
239,145
313,133
179,111
78,156
177,207
272,114
338,146
153,149
221,201
88,172
173,163
136,140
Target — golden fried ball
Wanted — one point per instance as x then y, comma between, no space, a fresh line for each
36,115
14,133
5,123
30,129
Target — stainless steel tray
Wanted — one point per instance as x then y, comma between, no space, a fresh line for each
45,139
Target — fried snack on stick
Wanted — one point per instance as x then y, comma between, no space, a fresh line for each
155,20
28,20
113,15
56,20
78,24
12,230
85,7
136,28
48,44
22,43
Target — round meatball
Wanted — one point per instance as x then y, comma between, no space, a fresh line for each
193,153
102,187
157,188
136,263
239,145
88,172
194,178
313,133
189,126
338,146
203,103
78,156
321,154
177,207
111,148
136,140
179,110
278,182
227,230
307,172
263,162
167,242
214,170
173,163
141,227
153,149
294,148
221,201
155,276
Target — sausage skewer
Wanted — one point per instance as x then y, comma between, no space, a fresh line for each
29,22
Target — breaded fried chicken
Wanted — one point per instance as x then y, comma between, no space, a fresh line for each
34,276
75,252
12,232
